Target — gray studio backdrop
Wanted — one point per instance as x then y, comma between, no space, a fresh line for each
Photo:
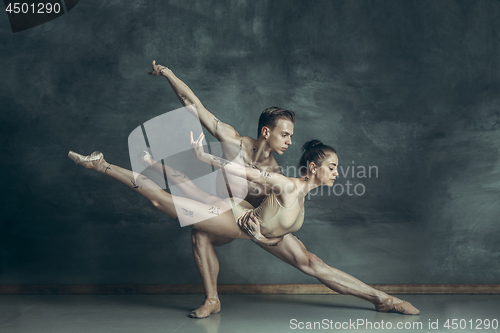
411,87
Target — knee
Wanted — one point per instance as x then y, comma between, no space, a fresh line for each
161,200
199,237
156,203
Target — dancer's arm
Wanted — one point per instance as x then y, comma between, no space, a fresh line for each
249,223
271,180
186,185
221,131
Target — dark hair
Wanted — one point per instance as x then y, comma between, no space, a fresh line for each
270,116
313,151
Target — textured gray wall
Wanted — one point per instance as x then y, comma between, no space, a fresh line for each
411,87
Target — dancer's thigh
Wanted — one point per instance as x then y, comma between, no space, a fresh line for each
218,219
292,251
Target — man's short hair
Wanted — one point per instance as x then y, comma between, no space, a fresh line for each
270,116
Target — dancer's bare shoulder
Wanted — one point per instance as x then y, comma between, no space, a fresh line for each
226,133
253,158
248,144
248,148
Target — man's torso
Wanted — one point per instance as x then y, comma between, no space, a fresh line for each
245,153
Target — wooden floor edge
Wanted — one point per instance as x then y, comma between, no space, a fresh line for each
248,289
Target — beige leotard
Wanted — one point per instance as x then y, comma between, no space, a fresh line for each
276,219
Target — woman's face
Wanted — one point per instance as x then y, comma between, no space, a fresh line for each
327,172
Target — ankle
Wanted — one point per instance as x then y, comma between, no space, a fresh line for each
380,298
386,299
211,299
104,166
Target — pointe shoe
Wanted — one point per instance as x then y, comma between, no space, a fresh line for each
206,310
93,161
146,159
404,307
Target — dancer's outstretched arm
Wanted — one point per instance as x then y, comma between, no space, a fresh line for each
274,181
221,131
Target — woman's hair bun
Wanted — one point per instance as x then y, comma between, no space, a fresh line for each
313,151
311,144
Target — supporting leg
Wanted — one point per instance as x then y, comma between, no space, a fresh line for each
208,267
292,251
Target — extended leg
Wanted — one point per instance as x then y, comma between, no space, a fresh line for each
208,267
292,251
176,177
215,218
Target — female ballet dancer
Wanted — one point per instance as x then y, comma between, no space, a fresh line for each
282,211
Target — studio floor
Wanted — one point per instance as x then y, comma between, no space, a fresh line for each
241,313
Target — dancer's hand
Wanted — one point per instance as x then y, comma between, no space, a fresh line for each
251,225
157,69
197,146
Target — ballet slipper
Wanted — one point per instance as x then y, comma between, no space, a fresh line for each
146,159
404,307
94,161
205,309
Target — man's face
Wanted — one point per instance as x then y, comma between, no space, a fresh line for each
280,137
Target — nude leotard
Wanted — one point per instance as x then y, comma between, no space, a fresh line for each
271,213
